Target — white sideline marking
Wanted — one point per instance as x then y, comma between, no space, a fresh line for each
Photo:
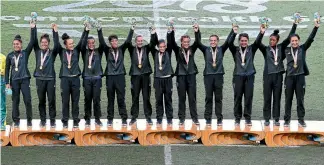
167,155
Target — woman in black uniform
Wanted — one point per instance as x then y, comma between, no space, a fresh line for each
19,78
295,75
45,77
69,75
243,75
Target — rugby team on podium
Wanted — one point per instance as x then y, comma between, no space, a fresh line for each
16,64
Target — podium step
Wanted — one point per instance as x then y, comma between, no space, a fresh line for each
229,134
294,135
167,134
103,135
5,136
38,136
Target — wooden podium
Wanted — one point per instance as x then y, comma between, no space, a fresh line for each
104,135
164,134
34,136
294,135
5,136
229,134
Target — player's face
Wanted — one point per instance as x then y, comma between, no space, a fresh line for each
139,42
213,41
69,44
294,41
185,42
244,42
114,43
273,41
44,44
17,45
162,47
91,44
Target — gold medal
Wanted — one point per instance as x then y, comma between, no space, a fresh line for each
89,66
214,65
160,67
243,63
276,63
16,69
140,66
41,67
69,66
295,65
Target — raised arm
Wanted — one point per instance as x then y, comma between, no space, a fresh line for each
170,43
128,41
36,45
153,41
78,47
231,45
225,44
258,40
102,43
286,42
57,45
195,45
84,41
31,43
311,37
201,46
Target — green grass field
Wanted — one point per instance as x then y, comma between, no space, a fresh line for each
117,11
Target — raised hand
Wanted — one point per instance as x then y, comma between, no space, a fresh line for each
196,27
262,29
54,27
235,29
32,24
317,24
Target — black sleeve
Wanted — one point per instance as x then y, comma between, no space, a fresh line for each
310,39
201,46
78,47
257,42
36,45
8,64
56,45
128,41
225,44
194,46
231,45
84,42
286,42
171,44
102,44
31,43
153,41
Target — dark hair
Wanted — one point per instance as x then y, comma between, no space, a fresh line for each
295,35
111,37
45,36
214,35
243,35
65,37
137,37
276,34
184,36
18,38
90,38
161,41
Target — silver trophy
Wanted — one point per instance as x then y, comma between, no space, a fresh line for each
317,17
33,16
264,22
194,21
297,18
150,26
170,25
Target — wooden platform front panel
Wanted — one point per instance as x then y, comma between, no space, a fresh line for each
165,134
229,134
104,135
37,136
294,135
5,136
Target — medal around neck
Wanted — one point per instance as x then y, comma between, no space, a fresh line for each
317,17
297,18
33,16
264,22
